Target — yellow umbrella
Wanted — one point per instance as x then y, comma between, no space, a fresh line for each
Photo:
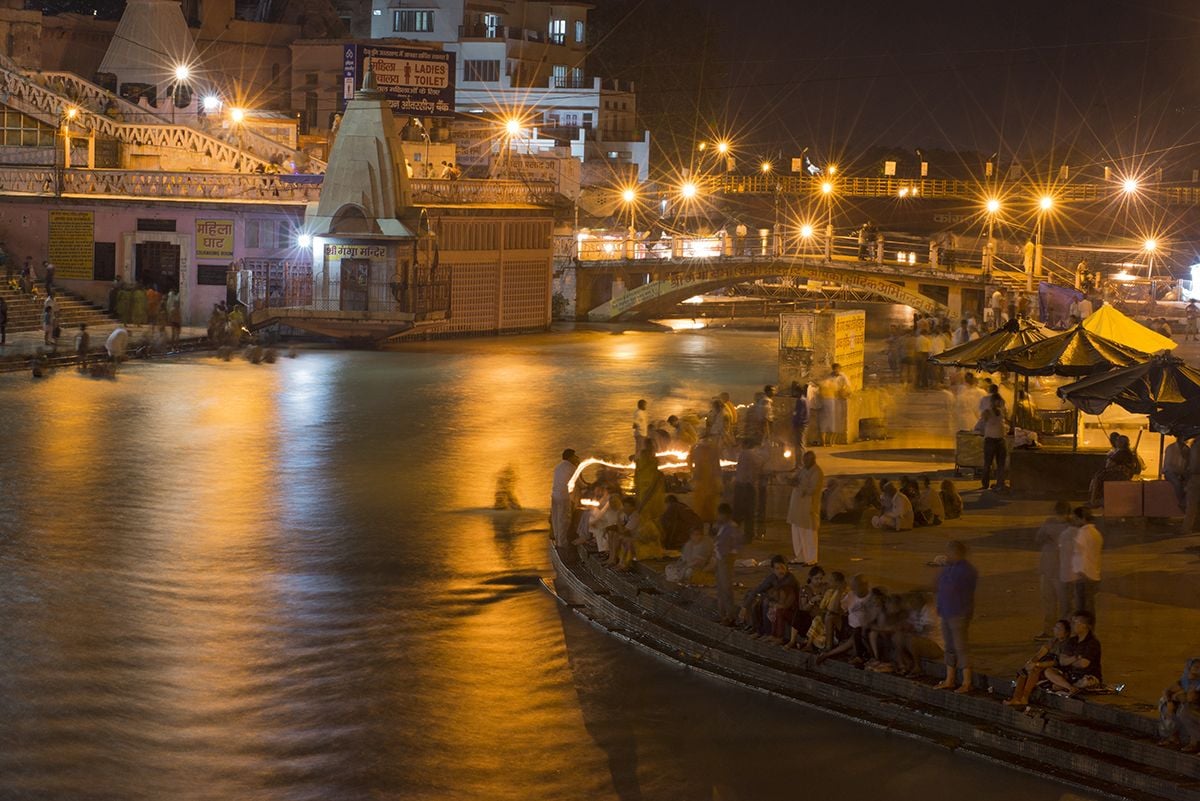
1112,324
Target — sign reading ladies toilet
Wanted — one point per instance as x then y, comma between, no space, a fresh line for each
417,83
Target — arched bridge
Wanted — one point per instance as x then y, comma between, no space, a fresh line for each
628,283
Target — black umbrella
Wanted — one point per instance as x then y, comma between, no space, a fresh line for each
979,352
1075,352
1178,419
1141,389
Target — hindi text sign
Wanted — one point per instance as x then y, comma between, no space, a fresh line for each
214,239
72,248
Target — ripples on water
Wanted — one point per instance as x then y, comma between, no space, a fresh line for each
225,581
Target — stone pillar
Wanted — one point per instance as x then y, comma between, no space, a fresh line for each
954,303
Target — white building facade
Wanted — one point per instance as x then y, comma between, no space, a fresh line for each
525,60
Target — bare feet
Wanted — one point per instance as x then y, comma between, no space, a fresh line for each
944,685
963,690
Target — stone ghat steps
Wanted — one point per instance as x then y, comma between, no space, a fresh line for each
1097,747
25,311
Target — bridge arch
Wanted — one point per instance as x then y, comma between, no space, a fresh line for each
671,287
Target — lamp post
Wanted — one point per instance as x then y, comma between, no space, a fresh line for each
989,244
1150,246
827,191
182,73
1045,204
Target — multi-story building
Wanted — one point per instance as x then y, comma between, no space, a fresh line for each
526,60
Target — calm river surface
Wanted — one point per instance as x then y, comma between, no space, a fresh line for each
227,581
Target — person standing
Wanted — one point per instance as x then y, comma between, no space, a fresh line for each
799,419
994,428
48,275
956,605
1175,459
1053,590
48,315
83,344
745,487
1191,312
835,392
641,426
924,343
3,321
997,308
560,498
804,509
1192,491
766,413
1085,561
726,544
704,461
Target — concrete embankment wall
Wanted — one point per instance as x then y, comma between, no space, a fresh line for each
1093,746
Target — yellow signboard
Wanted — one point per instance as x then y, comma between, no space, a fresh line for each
214,239
72,248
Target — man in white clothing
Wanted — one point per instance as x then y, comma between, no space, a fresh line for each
561,507
1085,561
897,512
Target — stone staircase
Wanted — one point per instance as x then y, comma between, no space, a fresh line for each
25,311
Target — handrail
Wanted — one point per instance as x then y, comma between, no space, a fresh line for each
262,146
959,189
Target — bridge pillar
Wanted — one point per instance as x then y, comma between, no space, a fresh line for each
954,303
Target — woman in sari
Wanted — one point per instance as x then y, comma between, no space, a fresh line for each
651,492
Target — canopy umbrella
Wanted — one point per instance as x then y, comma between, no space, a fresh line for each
1141,389
1178,419
1075,352
979,352
1112,324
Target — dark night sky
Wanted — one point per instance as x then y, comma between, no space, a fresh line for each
1104,80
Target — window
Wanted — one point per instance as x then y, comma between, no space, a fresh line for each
579,31
560,74
558,31
410,21
265,234
17,129
491,25
481,70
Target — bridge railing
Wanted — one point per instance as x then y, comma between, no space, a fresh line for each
893,250
926,187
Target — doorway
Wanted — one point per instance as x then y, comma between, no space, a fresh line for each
354,284
156,264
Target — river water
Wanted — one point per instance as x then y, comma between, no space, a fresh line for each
227,581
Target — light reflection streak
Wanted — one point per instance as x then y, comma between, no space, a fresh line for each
679,463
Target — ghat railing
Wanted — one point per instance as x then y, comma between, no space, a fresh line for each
253,187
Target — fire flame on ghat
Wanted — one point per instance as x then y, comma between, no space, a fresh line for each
678,461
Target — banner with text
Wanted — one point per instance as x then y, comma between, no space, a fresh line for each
72,248
417,83
214,239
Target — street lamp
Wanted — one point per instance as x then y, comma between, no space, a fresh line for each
827,191
629,198
989,247
1151,247
689,190
765,167
1045,204
1129,186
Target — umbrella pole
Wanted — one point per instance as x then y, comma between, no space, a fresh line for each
1162,446
1075,431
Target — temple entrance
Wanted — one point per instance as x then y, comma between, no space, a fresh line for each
354,284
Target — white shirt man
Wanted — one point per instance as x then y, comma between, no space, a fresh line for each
560,498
